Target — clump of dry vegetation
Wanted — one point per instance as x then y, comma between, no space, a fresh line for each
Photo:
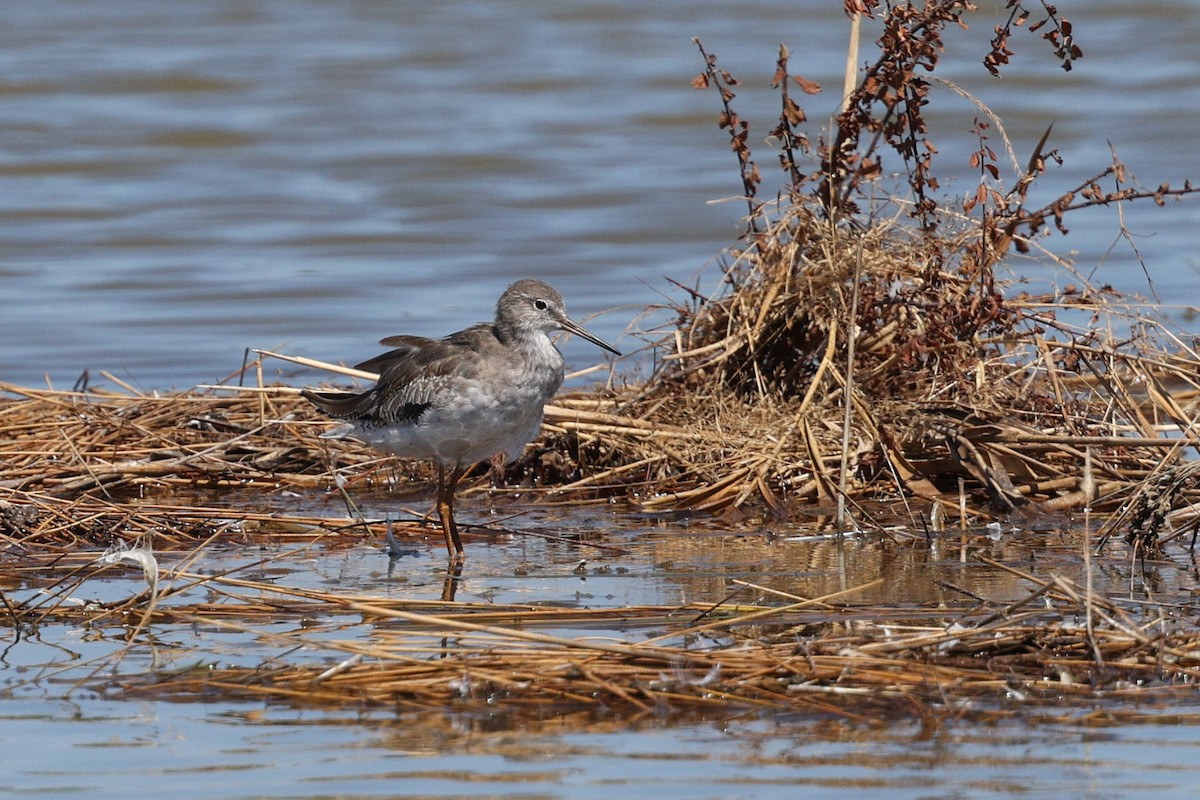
866,349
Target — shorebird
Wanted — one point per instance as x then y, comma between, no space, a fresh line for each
464,398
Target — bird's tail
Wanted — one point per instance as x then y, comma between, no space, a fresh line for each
339,405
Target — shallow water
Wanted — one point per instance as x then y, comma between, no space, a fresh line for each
68,733
105,750
184,181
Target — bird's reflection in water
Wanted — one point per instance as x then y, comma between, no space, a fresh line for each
396,552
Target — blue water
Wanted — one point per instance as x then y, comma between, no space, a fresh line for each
102,749
181,182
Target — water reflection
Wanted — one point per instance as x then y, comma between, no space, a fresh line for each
111,749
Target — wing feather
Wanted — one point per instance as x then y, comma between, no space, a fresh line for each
411,376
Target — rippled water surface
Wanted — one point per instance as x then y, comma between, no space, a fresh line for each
110,749
182,181
69,729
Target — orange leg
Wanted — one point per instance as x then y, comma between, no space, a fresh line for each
445,508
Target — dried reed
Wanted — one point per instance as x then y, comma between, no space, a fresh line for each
1032,653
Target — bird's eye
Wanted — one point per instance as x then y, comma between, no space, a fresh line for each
540,305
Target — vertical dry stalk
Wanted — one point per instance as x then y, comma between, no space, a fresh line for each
262,397
1089,599
851,79
848,391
